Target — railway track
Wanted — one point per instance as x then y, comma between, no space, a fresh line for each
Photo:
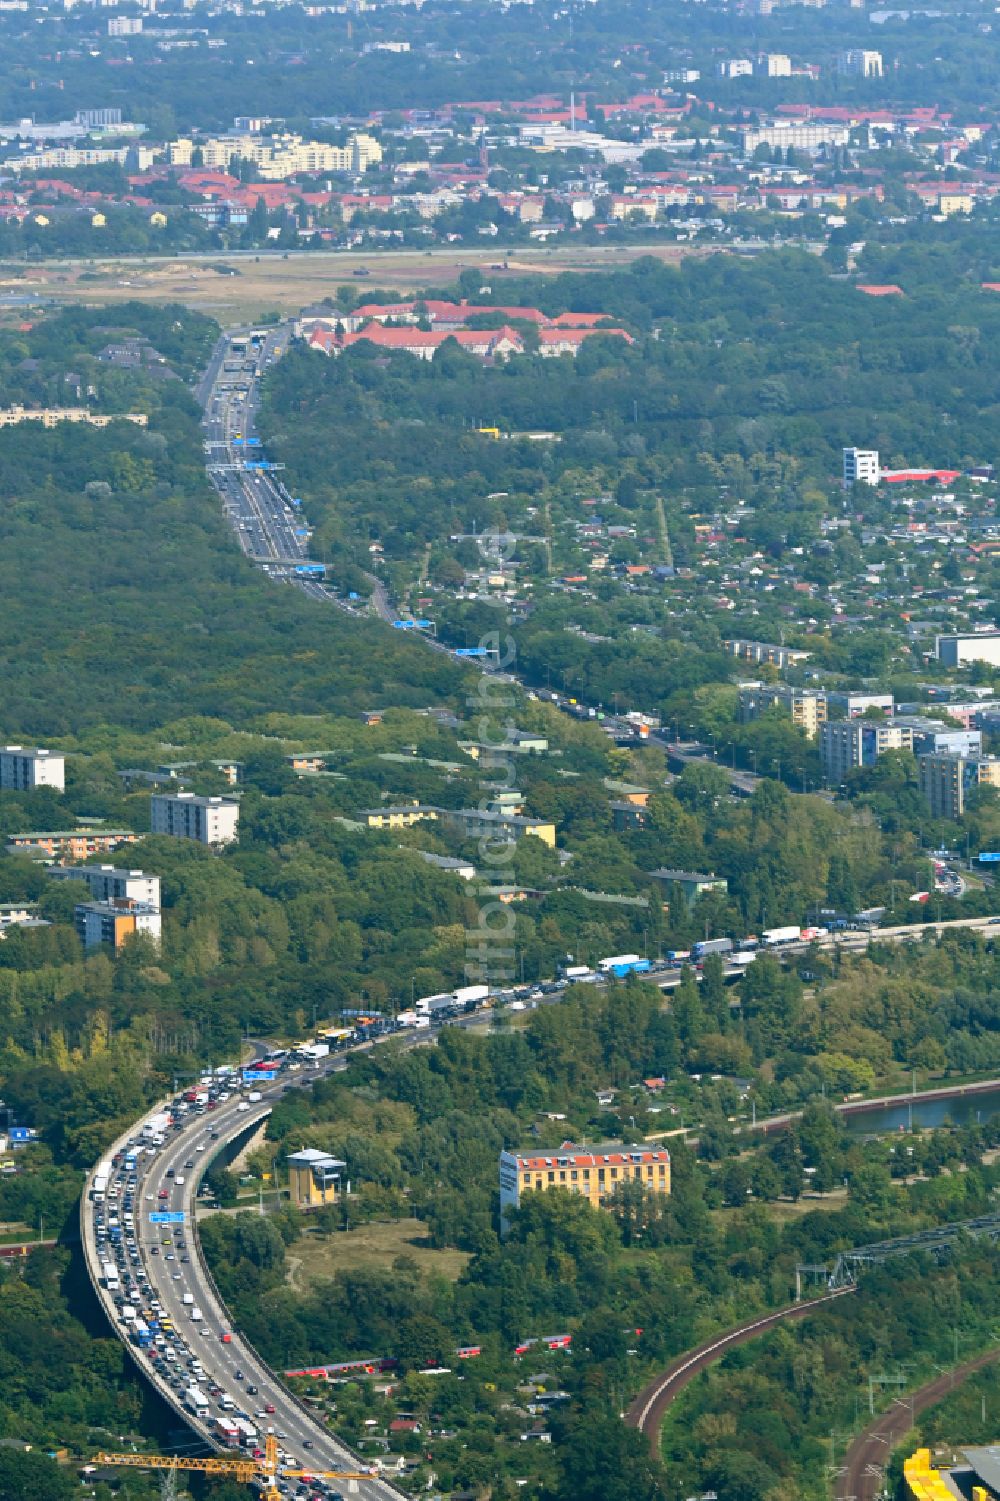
862,1477
647,1410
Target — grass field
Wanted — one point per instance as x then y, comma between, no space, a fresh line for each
316,1257
285,283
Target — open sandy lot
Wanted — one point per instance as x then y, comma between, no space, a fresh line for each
246,286
316,1257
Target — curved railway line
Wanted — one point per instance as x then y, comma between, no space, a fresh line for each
648,1409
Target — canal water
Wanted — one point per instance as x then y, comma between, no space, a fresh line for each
963,1110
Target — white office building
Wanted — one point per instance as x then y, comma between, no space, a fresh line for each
861,467
107,884
209,820
23,770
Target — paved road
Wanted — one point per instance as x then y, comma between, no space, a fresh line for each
232,1367
647,1411
862,1475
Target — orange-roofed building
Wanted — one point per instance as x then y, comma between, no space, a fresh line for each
555,341
872,289
592,1172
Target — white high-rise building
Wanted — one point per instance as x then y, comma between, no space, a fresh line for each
209,820
859,62
861,467
23,770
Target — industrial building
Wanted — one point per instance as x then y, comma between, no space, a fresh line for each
23,770
315,1178
209,820
593,1172
972,1473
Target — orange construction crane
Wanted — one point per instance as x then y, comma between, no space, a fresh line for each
239,1466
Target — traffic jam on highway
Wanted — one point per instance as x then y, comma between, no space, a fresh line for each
266,518
151,1275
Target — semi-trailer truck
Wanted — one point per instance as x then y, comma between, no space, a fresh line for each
711,946
772,936
621,965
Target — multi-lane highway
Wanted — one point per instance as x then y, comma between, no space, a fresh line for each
151,1277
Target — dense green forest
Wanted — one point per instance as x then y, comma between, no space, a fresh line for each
125,598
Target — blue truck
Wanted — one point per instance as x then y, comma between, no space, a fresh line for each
621,965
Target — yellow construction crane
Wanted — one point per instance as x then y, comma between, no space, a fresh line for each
239,1466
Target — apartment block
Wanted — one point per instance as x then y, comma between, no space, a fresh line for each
932,737
850,743
946,781
108,884
861,467
398,816
774,65
852,705
593,1172
859,62
22,770
114,923
808,137
476,823
281,156
315,1178
979,646
734,67
209,820
54,416
765,653
806,707
72,844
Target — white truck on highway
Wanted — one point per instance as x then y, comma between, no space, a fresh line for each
196,1401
